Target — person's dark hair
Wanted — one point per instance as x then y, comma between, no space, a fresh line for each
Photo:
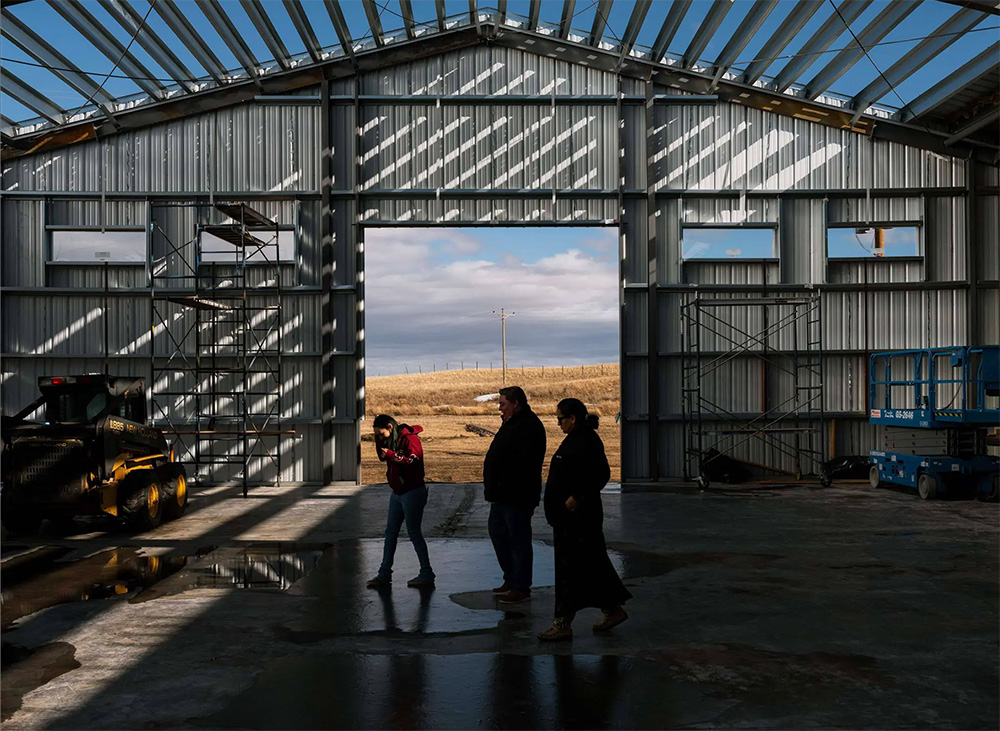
576,407
515,393
384,421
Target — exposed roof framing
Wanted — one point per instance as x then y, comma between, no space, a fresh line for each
716,14
678,9
945,35
32,99
259,17
962,107
569,8
336,14
406,10
781,37
374,21
181,28
600,21
159,51
980,66
738,41
101,38
230,36
635,22
32,44
875,31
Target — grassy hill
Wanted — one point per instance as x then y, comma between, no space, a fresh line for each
443,403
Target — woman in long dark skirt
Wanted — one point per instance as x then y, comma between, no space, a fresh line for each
585,576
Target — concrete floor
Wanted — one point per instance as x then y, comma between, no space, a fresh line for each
755,606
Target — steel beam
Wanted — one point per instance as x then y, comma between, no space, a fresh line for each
667,32
893,14
374,22
974,125
569,8
32,44
474,15
983,6
406,10
441,13
984,63
635,22
600,21
304,29
738,41
22,92
336,14
101,39
501,11
268,33
821,40
704,34
915,59
7,120
781,37
230,36
159,51
533,10
192,40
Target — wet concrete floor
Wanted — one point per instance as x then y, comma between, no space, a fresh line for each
791,608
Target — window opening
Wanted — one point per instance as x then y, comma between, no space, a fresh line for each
877,241
86,246
705,242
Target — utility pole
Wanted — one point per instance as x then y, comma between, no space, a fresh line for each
503,338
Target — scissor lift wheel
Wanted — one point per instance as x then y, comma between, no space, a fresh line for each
927,487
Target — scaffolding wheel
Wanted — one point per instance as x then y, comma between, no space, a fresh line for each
873,476
702,481
824,479
927,487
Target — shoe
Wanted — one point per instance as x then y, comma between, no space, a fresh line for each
514,597
612,618
378,583
502,589
558,631
420,583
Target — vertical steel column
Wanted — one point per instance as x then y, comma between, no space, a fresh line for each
652,304
358,235
971,254
326,281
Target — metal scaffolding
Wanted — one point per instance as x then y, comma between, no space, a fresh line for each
217,342
783,335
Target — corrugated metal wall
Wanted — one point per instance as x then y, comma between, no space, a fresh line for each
533,155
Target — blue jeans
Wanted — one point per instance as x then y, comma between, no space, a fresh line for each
510,531
408,508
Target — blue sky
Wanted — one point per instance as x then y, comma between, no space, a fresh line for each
926,17
430,296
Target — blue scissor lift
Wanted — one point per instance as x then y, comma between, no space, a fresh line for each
937,407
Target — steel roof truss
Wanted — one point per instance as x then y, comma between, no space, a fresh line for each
440,11
667,32
982,64
406,10
600,21
30,98
879,28
374,22
474,14
949,32
265,28
230,36
533,10
131,21
569,7
99,37
974,125
635,22
738,41
821,40
781,37
336,14
502,11
305,30
187,35
703,36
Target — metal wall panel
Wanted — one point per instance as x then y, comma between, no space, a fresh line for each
802,241
23,249
987,240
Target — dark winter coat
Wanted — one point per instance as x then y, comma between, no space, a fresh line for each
579,468
404,466
512,470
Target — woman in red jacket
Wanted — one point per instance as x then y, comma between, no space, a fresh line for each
399,447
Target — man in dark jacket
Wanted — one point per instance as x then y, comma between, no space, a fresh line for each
512,476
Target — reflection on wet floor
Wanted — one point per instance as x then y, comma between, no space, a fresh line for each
24,670
256,567
467,691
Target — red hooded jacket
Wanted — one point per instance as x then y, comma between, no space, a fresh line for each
404,468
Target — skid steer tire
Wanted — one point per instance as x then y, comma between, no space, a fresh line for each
140,503
174,495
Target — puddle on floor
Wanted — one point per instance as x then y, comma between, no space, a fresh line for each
25,670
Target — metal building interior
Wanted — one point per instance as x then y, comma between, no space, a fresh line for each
484,114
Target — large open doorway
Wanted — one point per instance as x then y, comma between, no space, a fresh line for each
446,308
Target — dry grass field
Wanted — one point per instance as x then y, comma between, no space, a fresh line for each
443,403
